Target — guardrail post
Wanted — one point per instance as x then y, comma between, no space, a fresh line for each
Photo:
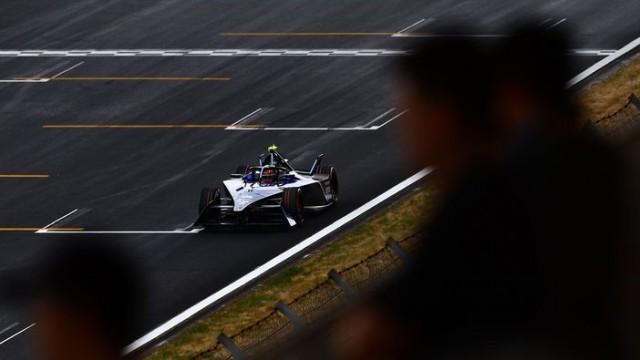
293,318
232,347
634,100
342,284
398,251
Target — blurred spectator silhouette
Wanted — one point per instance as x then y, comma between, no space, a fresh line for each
521,258
84,297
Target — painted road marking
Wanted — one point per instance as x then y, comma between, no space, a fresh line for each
604,62
557,23
60,219
144,126
405,32
22,81
67,70
121,232
379,117
35,229
338,33
346,34
65,220
24,176
199,52
125,78
592,52
406,29
273,263
247,117
16,334
225,52
388,121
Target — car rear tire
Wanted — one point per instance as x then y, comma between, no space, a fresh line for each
208,196
334,185
292,203
332,174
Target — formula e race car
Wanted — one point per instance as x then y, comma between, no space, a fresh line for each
272,192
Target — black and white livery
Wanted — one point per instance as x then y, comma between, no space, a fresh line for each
271,192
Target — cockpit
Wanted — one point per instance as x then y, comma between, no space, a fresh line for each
269,175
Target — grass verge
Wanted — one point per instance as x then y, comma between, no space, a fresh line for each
610,91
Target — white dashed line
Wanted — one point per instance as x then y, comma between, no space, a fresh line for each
592,52
200,52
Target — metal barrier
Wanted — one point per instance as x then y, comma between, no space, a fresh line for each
622,122
337,290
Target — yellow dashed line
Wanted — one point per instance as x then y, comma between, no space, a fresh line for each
24,176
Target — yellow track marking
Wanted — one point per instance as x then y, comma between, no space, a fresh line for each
24,176
126,78
149,126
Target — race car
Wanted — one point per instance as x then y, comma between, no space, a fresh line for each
271,192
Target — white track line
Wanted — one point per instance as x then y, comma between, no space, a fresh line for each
604,62
23,81
123,232
592,52
271,264
403,31
199,52
244,118
16,334
426,35
44,229
388,121
379,117
557,23
67,70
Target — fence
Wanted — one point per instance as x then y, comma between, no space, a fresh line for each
623,122
324,298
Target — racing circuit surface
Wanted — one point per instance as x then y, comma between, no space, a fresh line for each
125,139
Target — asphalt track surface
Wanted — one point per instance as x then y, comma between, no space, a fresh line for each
146,174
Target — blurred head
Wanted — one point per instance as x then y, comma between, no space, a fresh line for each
444,85
86,301
532,69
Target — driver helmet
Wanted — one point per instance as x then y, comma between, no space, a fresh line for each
269,176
